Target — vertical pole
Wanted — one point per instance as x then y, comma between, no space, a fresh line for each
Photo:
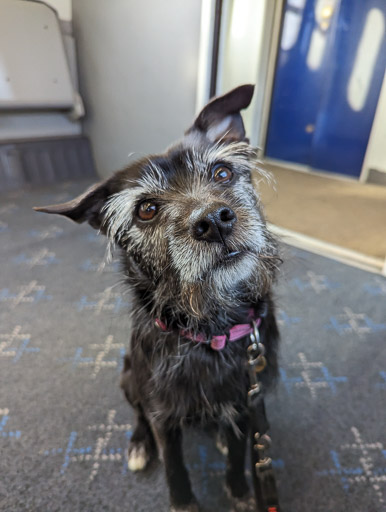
215,49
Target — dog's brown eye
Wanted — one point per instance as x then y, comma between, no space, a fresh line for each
222,174
147,210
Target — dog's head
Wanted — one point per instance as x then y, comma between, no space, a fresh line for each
189,221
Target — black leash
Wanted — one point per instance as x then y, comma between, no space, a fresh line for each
263,477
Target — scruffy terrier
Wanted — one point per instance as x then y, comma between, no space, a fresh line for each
200,263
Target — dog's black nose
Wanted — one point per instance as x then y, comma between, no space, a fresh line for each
215,224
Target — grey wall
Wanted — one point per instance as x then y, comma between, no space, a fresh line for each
138,65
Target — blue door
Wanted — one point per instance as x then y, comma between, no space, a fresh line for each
328,78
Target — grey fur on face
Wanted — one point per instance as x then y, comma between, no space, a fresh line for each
192,277
181,183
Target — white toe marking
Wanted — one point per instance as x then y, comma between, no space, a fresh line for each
137,458
221,447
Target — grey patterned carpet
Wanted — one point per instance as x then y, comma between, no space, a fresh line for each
64,425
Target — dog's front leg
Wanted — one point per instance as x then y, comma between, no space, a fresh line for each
181,496
237,443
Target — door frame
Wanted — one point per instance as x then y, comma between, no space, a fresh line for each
213,13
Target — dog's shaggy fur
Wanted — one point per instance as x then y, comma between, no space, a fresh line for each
197,255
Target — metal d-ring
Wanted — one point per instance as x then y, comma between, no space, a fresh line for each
255,350
263,442
264,464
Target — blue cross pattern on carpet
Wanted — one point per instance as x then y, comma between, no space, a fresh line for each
284,319
107,300
99,361
31,292
42,257
312,281
98,453
350,322
3,226
369,468
377,288
95,237
306,379
44,234
16,343
4,417
92,266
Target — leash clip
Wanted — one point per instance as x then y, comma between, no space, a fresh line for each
256,352
255,335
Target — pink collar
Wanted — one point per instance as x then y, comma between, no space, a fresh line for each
236,332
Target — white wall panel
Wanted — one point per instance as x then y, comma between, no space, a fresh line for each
138,64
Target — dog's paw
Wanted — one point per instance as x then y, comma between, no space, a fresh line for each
221,445
193,507
138,457
246,503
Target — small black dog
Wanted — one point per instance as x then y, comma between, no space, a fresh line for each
200,263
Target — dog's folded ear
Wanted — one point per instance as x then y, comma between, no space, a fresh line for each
86,207
221,118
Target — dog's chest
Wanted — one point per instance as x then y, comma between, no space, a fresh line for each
200,385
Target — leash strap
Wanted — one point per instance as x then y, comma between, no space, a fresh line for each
263,477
